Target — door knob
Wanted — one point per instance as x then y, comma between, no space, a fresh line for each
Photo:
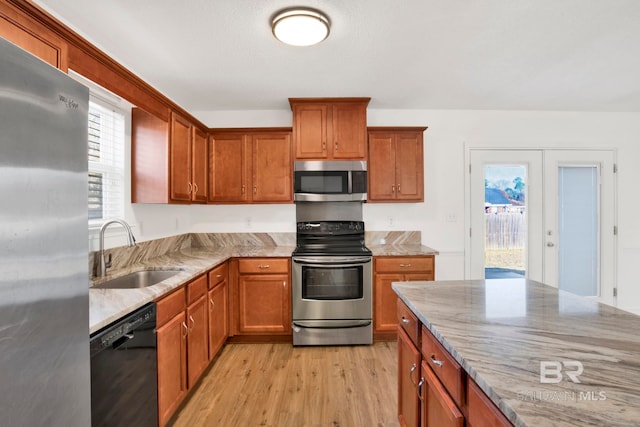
550,244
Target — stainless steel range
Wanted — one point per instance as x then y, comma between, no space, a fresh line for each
331,284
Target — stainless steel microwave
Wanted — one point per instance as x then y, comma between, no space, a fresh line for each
330,181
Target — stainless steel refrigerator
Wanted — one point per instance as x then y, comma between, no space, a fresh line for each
44,296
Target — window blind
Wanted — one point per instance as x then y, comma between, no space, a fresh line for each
106,161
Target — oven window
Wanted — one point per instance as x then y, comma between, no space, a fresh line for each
333,283
328,182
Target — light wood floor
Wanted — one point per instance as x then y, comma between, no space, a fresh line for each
279,385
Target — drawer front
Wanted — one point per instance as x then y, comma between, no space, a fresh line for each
169,306
403,264
482,411
196,288
443,365
218,275
263,265
408,321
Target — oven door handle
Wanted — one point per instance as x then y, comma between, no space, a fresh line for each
332,324
334,262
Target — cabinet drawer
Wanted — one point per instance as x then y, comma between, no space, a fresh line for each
169,306
263,265
404,264
443,365
408,321
218,275
481,410
196,288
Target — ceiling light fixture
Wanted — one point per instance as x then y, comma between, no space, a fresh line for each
300,26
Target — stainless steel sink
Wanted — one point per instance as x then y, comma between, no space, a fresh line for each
138,279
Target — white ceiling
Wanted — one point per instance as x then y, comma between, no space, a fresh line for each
581,55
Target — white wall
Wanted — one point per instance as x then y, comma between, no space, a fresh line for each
441,217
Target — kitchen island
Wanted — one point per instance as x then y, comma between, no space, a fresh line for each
544,357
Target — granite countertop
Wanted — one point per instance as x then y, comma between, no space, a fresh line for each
500,331
108,305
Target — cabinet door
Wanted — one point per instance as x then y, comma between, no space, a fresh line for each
409,166
408,378
482,412
180,159
264,303
172,363
381,166
199,169
349,131
437,408
218,318
310,124
197,340
272,168
228,169
385,317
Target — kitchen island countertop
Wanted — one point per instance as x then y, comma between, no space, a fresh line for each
502,331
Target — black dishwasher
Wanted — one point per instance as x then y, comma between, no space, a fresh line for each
124,384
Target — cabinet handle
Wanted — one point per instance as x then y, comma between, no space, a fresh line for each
242,188
336,146
263,267
435,361
186,330
405,265
324,146
420,384
398,188
212,304
411,371
195,188
190,187
218,276
255,188
405,321
393,188
193,323
284,284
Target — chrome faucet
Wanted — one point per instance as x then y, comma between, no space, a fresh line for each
104,264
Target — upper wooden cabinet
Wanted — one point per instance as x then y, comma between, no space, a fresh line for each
250,166
32,36
330,128
396,164
168,159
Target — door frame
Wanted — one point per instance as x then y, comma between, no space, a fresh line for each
470,146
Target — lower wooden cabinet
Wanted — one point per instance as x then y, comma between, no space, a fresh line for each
172,354
395,269
218,309
264,296
408,380
433,389
183,335
437,407
198,329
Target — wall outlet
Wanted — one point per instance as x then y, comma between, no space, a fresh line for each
248,222
390,221
451,217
